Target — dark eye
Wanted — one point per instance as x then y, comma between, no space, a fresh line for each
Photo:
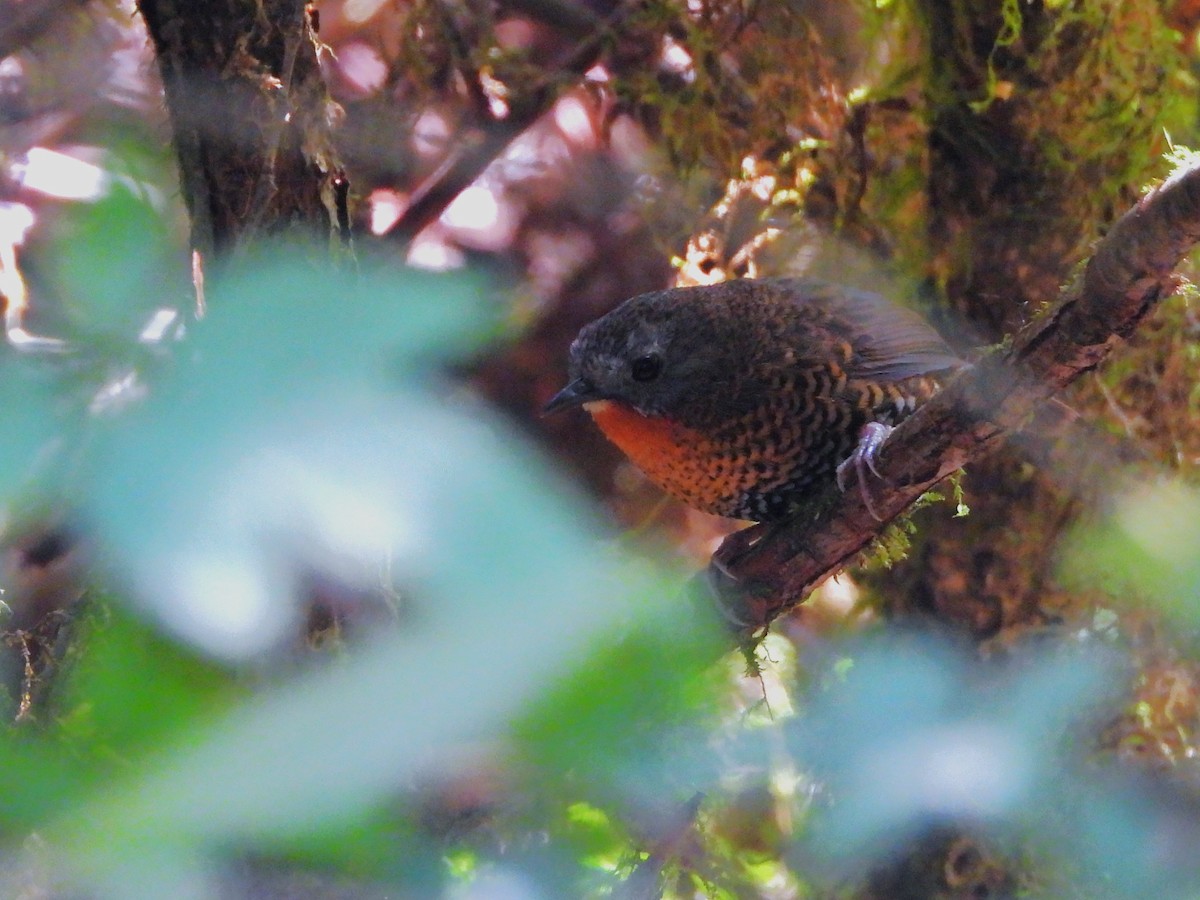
646,368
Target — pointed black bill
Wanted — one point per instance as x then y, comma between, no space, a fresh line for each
576,393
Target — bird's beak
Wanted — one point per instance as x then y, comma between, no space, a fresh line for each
576,393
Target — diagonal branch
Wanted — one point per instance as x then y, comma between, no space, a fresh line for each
476,152
1131,269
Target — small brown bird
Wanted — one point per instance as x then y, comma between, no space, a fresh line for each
741,398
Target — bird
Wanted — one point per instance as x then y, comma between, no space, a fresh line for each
745,398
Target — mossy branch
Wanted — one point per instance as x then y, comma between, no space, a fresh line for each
1131,269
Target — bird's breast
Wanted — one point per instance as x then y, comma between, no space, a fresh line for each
708,474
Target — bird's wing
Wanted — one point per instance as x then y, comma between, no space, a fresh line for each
889,342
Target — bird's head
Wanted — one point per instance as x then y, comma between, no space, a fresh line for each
642,355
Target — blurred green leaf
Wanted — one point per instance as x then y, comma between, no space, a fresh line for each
112,258
37,420
507,593
125,687
284,324
1149,547
634,709
596,840
281,440
39,779
917,734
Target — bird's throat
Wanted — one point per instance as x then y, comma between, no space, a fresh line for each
647,440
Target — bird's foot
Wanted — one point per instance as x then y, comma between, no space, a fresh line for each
862,460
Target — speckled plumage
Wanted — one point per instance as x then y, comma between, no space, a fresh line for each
740,398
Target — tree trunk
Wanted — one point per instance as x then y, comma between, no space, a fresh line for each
252,120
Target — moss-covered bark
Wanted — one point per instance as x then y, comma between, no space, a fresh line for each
251,117
1043,120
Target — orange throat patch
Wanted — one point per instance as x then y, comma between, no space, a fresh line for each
679,460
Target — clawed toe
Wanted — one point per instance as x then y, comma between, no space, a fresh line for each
862,460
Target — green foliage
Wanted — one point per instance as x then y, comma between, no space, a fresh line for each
1011,23
666,682
961,508
113,255
304,439
893,544
106,705
1146,549
602,693
31,409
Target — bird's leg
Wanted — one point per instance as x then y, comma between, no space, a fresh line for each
862,459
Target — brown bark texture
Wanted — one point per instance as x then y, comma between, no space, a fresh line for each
251,117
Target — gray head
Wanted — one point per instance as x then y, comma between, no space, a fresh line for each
644,354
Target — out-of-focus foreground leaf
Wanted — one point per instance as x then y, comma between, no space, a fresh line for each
300,434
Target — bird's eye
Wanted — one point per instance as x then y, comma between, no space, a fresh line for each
646,368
